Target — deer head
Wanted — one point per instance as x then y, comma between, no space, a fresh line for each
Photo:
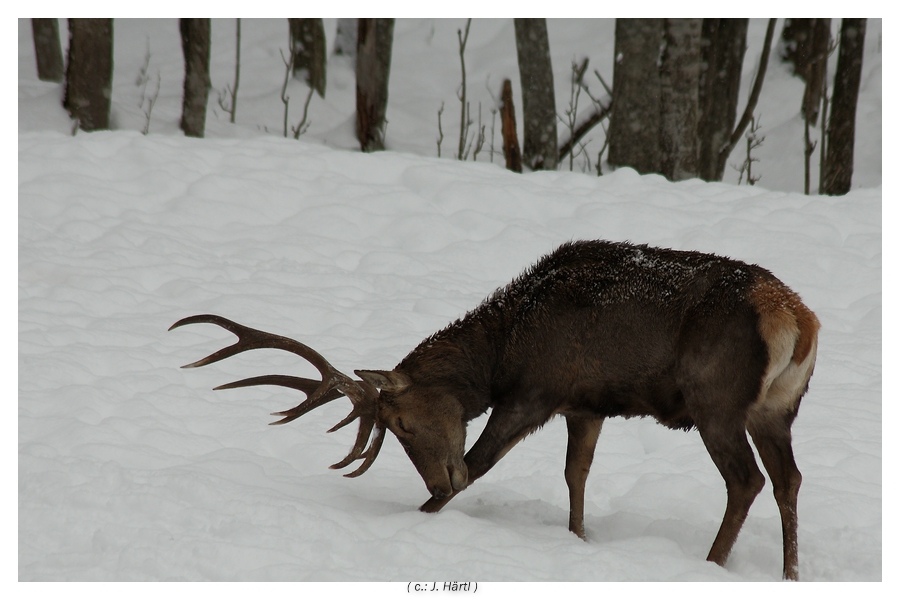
428,422
426,419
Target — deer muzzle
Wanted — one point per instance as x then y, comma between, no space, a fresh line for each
454,479
459,477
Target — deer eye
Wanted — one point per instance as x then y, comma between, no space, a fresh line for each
401,427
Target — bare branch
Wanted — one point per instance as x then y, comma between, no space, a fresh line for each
237,71
284,97
463,119
302,126
440,131
603,83
754,95
479,140
579,132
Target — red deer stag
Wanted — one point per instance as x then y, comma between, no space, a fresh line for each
593,330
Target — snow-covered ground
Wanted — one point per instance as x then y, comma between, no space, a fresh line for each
132,469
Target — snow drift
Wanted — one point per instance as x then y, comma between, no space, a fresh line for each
131,469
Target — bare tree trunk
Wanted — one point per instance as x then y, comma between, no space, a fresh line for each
814,73
89,72
539,150
747,116
195,41
464,120
842,125
308,46
723,44
804,44
373,69
794,45
345,39
634,123
47,49
679,99
508,129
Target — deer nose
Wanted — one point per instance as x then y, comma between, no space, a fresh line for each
459,477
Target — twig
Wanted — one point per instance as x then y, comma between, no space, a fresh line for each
809,147
237,70
440,131
479,142
601,111
754,96
463,120
823,137
284,97
469,121
597,116
602,150
150,102
302,126
575,85
142,79
603,83
753,141
493,121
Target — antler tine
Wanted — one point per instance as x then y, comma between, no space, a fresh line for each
366,423
307,386
250,339
334,384
369,455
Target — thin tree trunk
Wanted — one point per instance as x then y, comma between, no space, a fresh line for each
308,46
508,129
842,125
816,69
345,39
539,150
679,99
47,49
804,42
89,72
635,118
794,45
747,115
237,68
373,69
464,105
723,44
195,41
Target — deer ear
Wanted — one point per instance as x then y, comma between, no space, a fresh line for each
389,381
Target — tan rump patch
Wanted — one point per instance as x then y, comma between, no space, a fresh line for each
783,317
790,331
809,332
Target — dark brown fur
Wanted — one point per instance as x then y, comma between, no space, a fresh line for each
600,329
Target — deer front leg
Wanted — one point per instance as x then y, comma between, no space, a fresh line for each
504,429
583,434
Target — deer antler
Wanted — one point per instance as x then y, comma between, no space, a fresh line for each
333,385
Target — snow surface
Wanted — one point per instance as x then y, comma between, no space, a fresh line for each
130,468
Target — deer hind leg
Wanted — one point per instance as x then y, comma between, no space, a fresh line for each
769,423
726,441
772,439
770,417
583,434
